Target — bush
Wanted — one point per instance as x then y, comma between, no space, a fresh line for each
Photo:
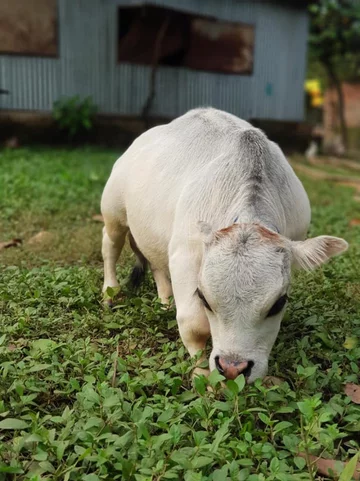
74,116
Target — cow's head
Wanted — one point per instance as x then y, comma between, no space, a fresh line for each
243,284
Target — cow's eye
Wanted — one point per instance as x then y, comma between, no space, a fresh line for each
204,301
278,306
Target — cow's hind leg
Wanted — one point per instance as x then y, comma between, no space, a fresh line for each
137,275
163,285
114,235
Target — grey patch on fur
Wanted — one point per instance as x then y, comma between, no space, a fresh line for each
254,144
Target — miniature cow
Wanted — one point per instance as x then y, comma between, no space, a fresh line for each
220,216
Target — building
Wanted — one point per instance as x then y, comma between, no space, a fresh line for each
244,56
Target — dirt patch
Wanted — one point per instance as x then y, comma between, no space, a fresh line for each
353,391
322,175
354,222
351,183
330,467
334,162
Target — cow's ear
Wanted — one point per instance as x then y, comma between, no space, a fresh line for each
207,234
311,253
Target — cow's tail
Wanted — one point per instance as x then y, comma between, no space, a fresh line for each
137,275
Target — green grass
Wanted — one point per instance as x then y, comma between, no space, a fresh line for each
90,395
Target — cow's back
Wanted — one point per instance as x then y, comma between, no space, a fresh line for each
180,170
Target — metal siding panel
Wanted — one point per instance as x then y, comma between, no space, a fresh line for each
87,65
280,50
32,82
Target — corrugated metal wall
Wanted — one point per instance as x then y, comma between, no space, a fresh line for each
87,65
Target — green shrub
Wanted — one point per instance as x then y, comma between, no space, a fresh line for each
74,115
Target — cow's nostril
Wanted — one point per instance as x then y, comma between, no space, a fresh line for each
247,371
218,365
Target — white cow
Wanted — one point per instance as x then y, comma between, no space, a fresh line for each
215,208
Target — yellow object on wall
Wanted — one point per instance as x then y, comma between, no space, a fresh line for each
313,88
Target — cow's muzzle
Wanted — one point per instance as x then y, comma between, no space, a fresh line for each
232,369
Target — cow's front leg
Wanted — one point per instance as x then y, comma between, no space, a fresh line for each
193,323
194,331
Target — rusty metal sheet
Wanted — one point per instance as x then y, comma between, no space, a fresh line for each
221,47
29,27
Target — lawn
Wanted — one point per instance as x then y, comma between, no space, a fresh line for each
87,394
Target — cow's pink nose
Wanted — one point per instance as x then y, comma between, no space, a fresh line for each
231,369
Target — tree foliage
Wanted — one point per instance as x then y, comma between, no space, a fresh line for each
335,29
335,44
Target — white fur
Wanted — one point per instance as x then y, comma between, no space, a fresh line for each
211,167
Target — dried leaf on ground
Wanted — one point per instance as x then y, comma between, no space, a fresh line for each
12,243
330,467
354,222
353,391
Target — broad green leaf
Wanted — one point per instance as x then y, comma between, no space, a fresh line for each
246,462
221,474
166,416
90,477
324,337
192,476
93,422
60,449
46,467
265,419
182,459
201,461
200,384
274,465
111,401
4,468
299,462
215,378
40,367
221,435
306,408
281,426
232,386
349,469
40,456
14,424
240,381
42,345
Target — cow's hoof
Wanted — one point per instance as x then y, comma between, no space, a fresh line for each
198,371
109,304
270,381
112,298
